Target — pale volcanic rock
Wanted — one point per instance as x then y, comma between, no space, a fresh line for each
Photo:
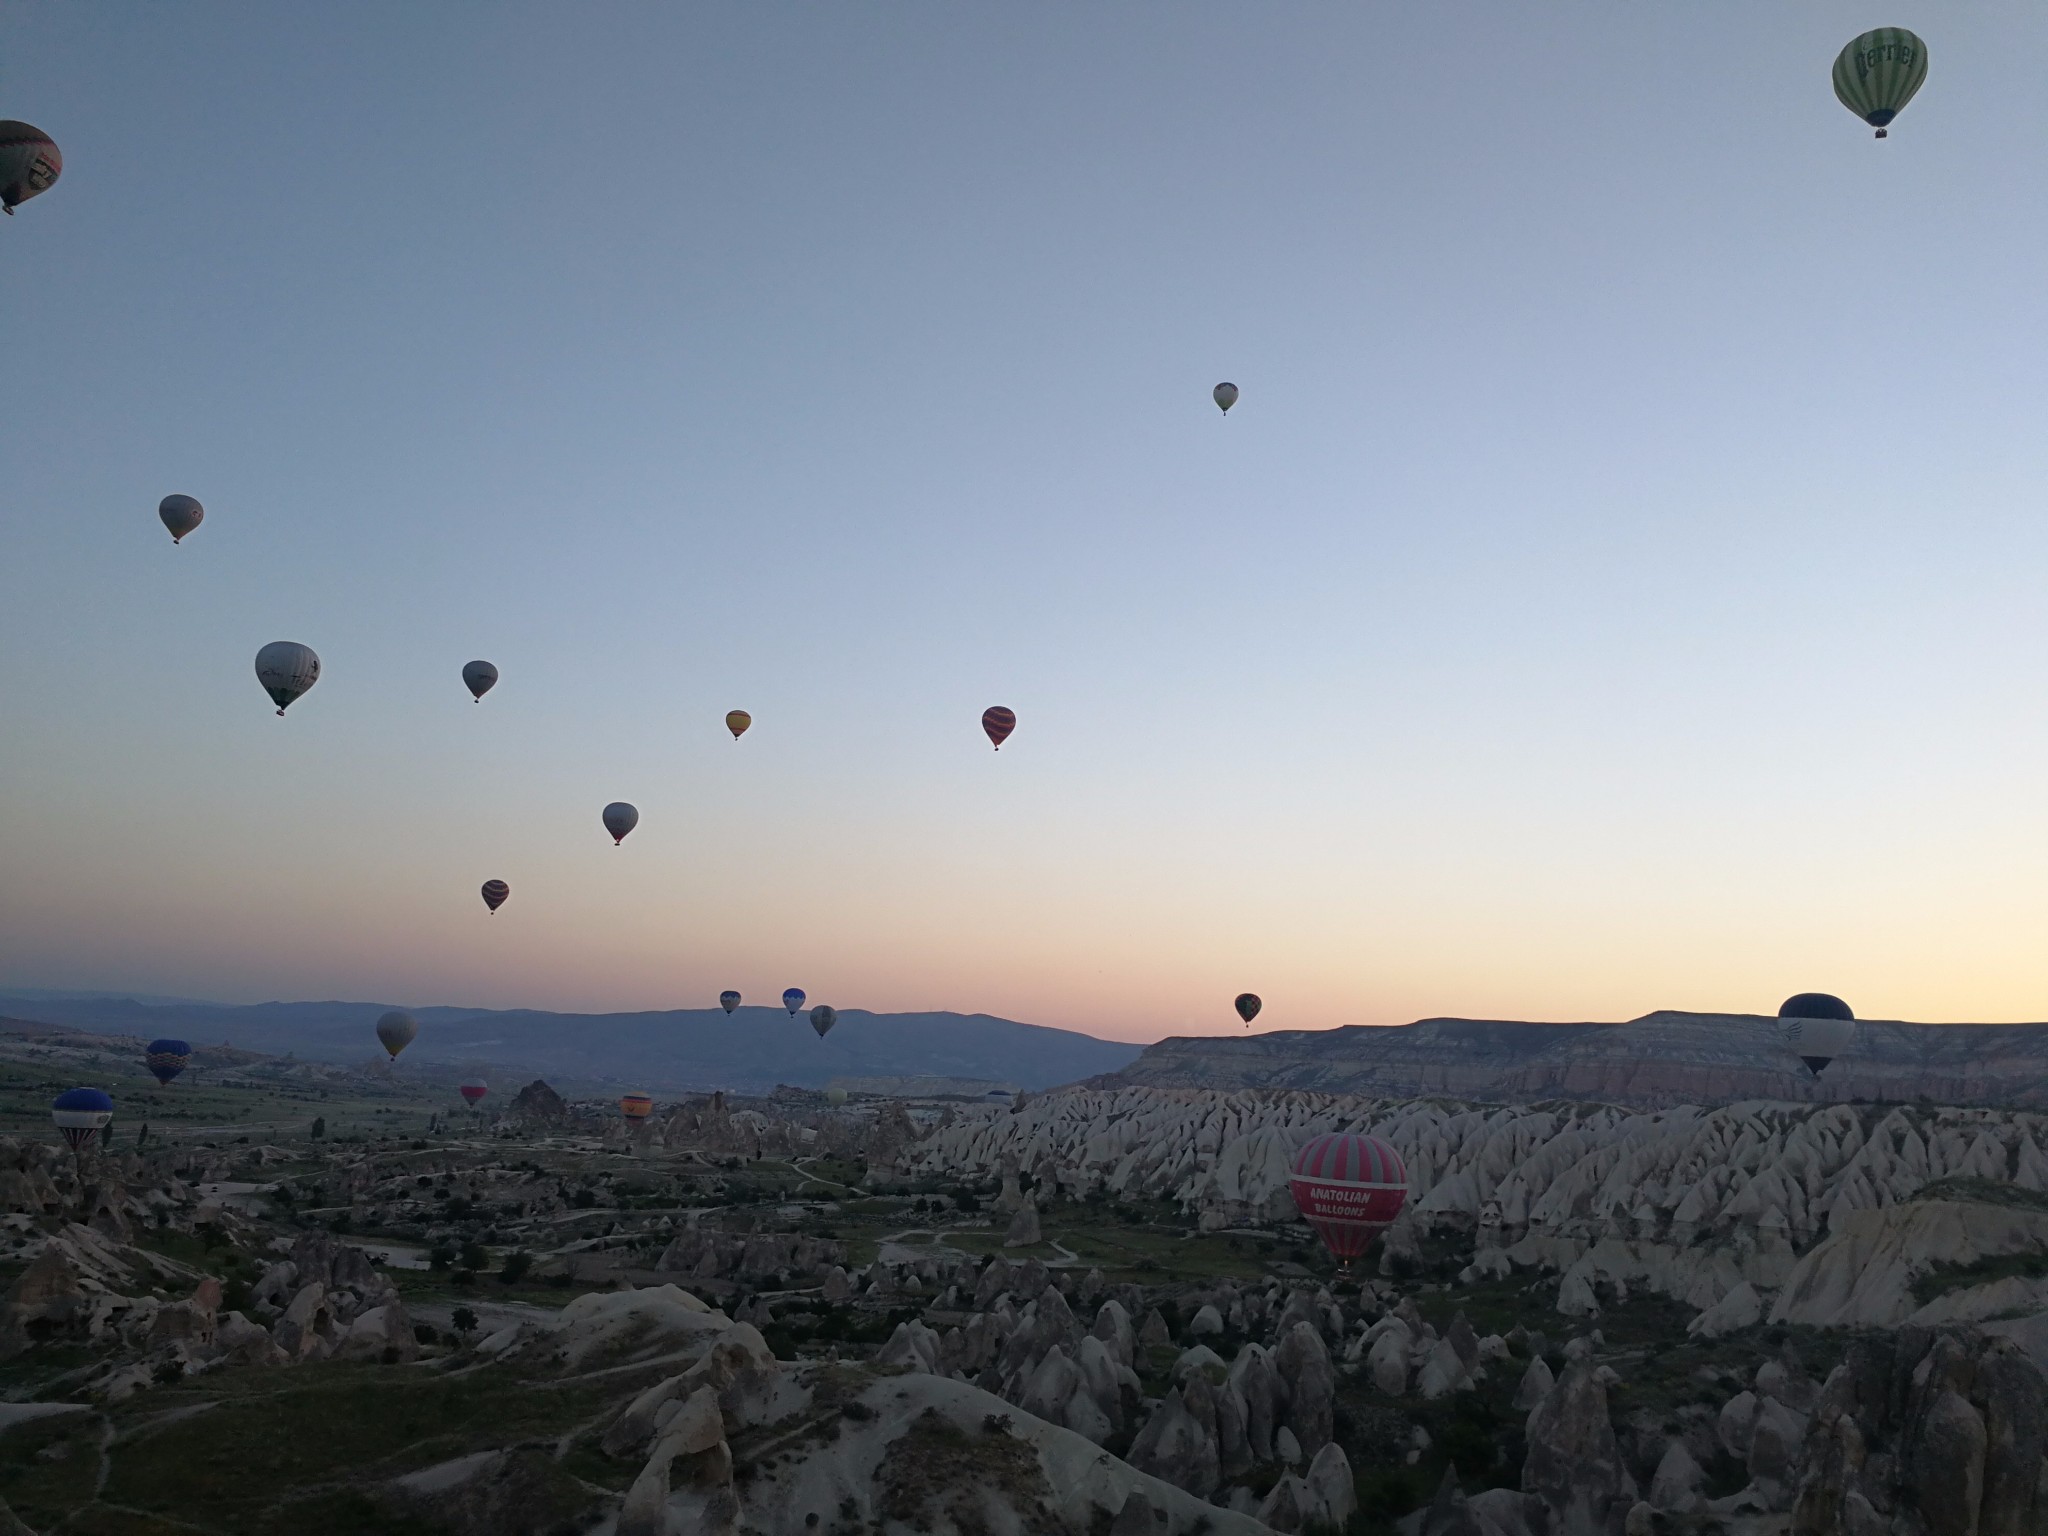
1740,1308
1304,1368
1443,1372
912,1346
1612,1199
1386,1361
1660,1059
1968,1417
645,1322
1256,1381
1862,1274
1024,1232
1002,1470
1575,1464
1536,1384
1675,1486
1175,1448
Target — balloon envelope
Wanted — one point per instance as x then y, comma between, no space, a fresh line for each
1815,1005
396,1030
1248,1006
1878,73
81,1114
479,677
619,819
793,999
728,1001
286,669
823,1018
636,1106
181,514
166,1058
1225,396
495,892
1348,1187
473,1090
1818,1027
998,722
29,163
737,721
835,1096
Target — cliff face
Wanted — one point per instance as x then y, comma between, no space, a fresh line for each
1657,1061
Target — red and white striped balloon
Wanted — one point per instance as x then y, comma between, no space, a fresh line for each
1349,1188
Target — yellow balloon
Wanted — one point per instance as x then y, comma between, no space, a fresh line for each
737,721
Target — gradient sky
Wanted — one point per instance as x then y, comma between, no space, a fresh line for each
1621,585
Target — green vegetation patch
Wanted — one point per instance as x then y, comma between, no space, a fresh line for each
1944,1278
1984,1192
248,1460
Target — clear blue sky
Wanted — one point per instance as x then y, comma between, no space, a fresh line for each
1620,586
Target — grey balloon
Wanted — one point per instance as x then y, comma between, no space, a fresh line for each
823,1018
286,669
1225,396
396,1030
479,677
619,819
181,514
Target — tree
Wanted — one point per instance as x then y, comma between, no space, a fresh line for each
517,1263
319,1126
474,1256
463,1321
440,1256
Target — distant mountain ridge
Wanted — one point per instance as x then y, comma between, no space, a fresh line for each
689,1049
1660,1059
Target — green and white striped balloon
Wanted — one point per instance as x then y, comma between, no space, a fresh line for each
1876,75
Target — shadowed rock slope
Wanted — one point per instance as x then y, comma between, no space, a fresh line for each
1659,1060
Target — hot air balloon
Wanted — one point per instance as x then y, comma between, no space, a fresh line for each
1248,1006
619,819
636,1107
286,669
998,722
1348,1187
495,892
1001,1096
737,721
823,1017
1877,74
397,1030
479,677
166,1058
835,1096
181,514
473,1091
793,999
29,163
81,1114
728,1000
1226,396
1818,1027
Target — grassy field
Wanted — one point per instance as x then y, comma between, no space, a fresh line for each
262,1105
